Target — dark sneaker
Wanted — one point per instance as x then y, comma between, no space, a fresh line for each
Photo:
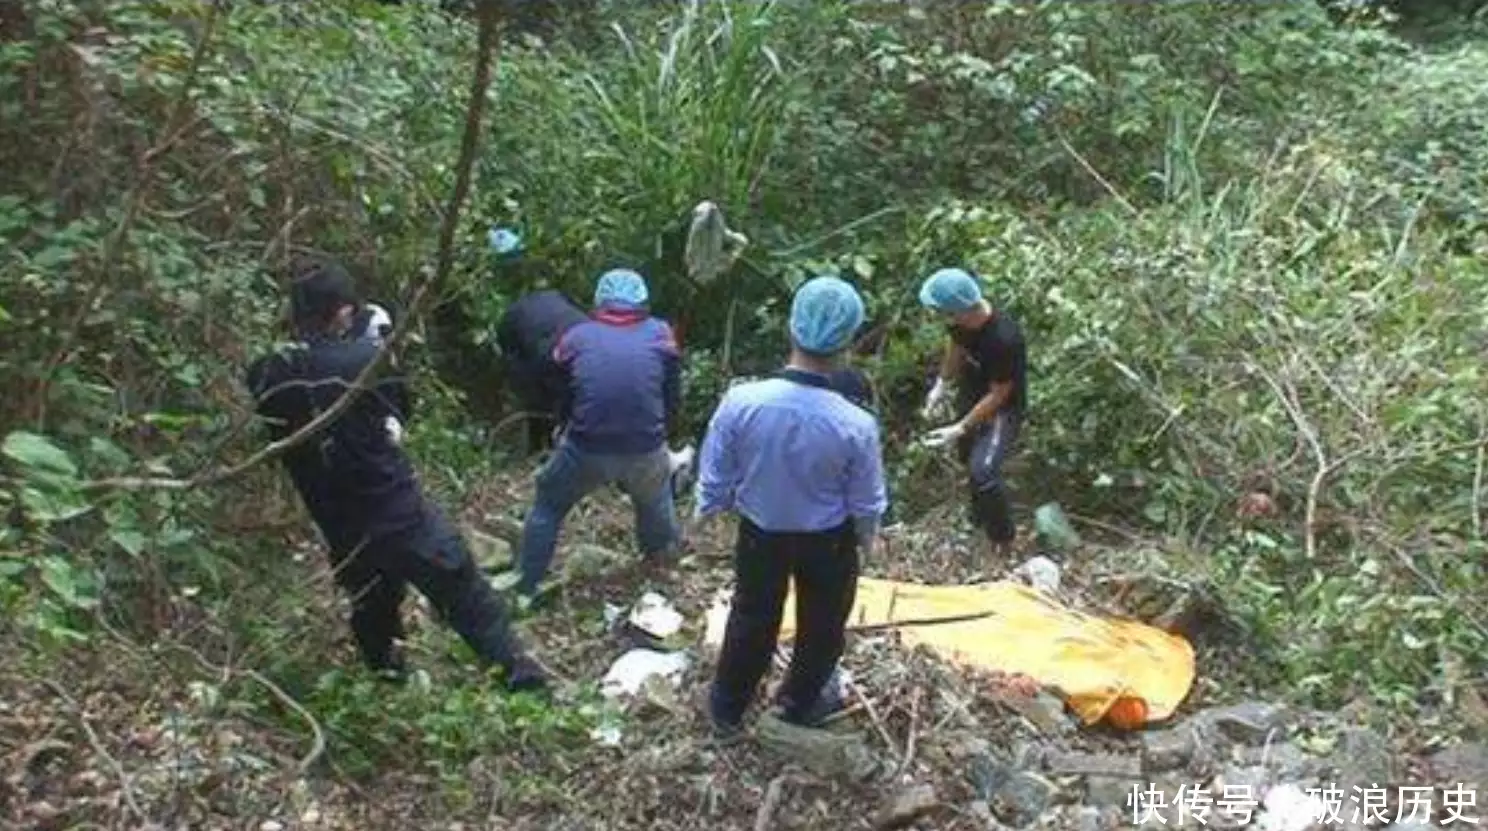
524,675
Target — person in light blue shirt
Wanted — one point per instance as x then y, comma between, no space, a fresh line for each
802,467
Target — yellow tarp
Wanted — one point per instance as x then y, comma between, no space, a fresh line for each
1091,661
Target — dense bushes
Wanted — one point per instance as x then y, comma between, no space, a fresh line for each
1246,240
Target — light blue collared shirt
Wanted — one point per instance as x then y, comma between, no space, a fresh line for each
792,457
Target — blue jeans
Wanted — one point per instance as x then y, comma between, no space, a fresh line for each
569,476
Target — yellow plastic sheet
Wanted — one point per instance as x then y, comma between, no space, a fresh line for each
1092,662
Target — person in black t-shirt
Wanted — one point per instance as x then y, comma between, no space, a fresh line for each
985,359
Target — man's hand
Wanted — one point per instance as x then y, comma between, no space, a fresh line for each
394,429
935,401
944,435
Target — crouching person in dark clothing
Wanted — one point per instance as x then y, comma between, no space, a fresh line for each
802,466
362,493
527,333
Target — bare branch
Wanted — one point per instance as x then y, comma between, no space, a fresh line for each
475,109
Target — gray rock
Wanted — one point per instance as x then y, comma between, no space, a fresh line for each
1286,760
1165,750
1251,781
1090,818
827,753
1463,765
1413,824
589,560
1362,758
490,553
1101,764
1044,711
987,774
1248,722
906,805
1113,791
1023,798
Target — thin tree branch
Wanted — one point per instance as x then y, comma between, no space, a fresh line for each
475,109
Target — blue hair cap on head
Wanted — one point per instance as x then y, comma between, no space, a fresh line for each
621,287
825,314
950,290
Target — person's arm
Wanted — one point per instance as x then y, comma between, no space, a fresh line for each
867,493
562,363
391,392
952,362
273,397
671,382
999,390
718,468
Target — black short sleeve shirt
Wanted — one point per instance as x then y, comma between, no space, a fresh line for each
995,353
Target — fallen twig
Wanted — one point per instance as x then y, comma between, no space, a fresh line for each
922,621
878,724
909,741
1095,174
1436,587
126,788
1309,434
318,742
773,794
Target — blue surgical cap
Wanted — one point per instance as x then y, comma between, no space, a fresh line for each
950,290
621,287
825,315
504,240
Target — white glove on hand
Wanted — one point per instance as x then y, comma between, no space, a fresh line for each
394,429
943,435
935,400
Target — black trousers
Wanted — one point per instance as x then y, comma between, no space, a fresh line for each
539,387
984,451
435,559
824,566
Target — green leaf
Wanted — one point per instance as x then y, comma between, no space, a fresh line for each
53,505
36,452
12,567
129,540
62,578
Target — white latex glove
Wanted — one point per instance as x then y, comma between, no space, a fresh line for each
681,459
943,435
936,399
394,429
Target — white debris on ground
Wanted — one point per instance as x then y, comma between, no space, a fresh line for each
656,616
1041,573
633,669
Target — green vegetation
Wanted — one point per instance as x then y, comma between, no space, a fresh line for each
1249,243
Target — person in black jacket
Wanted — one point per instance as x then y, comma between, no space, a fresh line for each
529,329
361,490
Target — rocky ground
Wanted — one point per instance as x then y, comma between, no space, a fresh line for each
921,745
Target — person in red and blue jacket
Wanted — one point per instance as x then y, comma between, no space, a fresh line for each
624,374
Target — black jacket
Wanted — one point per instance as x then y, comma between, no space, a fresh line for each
355,482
